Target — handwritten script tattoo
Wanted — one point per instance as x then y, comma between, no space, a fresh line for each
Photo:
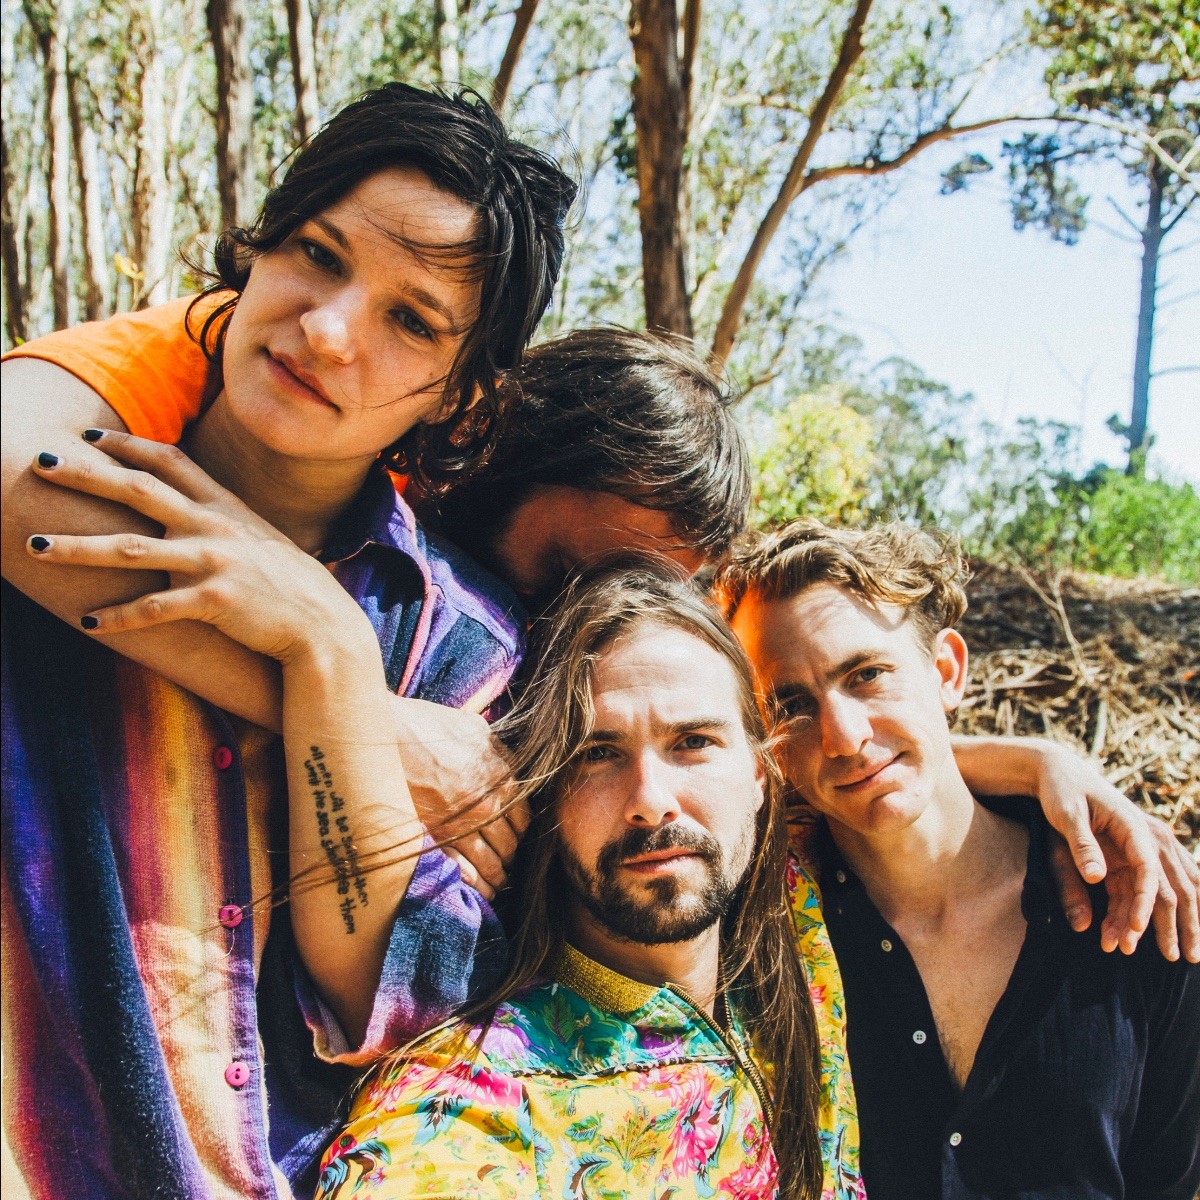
337,840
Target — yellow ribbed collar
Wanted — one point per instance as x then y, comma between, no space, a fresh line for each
600,986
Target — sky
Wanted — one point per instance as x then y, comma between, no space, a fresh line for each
1029,326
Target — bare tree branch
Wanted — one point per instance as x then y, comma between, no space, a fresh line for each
512,53
691,43
735,301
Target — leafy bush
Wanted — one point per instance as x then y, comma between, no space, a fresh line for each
816,461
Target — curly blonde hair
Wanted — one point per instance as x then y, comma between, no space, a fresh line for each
923,572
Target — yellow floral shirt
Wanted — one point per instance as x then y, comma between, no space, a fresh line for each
594,1086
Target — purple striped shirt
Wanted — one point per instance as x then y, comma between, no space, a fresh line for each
161,1037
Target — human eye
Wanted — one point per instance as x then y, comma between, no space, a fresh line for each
596,753
320,256
695,741
795,706
868,675
411,323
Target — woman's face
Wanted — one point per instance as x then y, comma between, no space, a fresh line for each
343,339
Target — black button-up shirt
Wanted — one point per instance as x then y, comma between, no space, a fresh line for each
1086,1082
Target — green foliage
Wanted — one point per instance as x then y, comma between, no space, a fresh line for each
815,462
891,443
1139,526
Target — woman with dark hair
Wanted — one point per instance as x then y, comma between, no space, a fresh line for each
167,1032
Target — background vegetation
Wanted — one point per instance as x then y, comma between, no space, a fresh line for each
729,152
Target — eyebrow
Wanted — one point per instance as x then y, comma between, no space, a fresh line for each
423,297
691,725
853,661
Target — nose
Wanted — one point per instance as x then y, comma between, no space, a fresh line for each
845,727
329,327
652,800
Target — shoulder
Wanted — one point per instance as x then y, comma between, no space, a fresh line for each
476,630
145,365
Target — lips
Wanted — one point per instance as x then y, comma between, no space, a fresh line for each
865,775
659,858
296,377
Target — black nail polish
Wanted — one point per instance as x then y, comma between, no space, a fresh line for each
92,435
37,543
89,622
47,461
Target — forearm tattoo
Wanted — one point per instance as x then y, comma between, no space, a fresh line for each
337,840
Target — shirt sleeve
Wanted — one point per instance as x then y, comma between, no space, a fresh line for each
446,947
145,365
1162,1161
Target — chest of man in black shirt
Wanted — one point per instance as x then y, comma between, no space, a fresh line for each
995,1053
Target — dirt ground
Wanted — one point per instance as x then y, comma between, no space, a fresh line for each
1108,666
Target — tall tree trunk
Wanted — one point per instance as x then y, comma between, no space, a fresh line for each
1152,236
49,25
512,53
445,24
304,68
660,126
91,211
730,320
228,28
16,301
151,197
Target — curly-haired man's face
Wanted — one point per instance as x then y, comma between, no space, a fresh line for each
867,741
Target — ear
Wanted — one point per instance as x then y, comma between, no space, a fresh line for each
465,424
949,653
760,784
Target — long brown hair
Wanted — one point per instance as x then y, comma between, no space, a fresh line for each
545,734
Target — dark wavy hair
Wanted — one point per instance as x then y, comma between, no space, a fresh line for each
520,198
545,734
638,415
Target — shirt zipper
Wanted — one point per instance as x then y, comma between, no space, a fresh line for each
734,1045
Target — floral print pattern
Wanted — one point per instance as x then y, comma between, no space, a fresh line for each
560,1099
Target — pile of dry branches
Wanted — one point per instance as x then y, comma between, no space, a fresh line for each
1110,667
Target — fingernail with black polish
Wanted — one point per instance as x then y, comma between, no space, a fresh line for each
90,622
46,460
92,435
37,543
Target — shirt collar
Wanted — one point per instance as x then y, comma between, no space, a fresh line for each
378,515
1040,902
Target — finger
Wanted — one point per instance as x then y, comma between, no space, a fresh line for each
1116,920
470,876
135,489
1184,877
1072,890
1138,845
158,608
131,551
1166,932
167,462
482,857
502,838
1085,849
518,816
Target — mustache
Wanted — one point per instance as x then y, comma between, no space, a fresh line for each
634,842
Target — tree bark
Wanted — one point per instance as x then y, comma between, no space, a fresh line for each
1152,236
151,199
229,31
660,128
49,24
304,68
445,24
512,53
87,165
735,301
16,302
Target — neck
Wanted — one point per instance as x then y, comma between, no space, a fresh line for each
954,851
302,498
693,966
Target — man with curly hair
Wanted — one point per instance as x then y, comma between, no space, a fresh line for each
995,1052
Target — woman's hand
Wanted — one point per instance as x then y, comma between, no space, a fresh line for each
227,566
